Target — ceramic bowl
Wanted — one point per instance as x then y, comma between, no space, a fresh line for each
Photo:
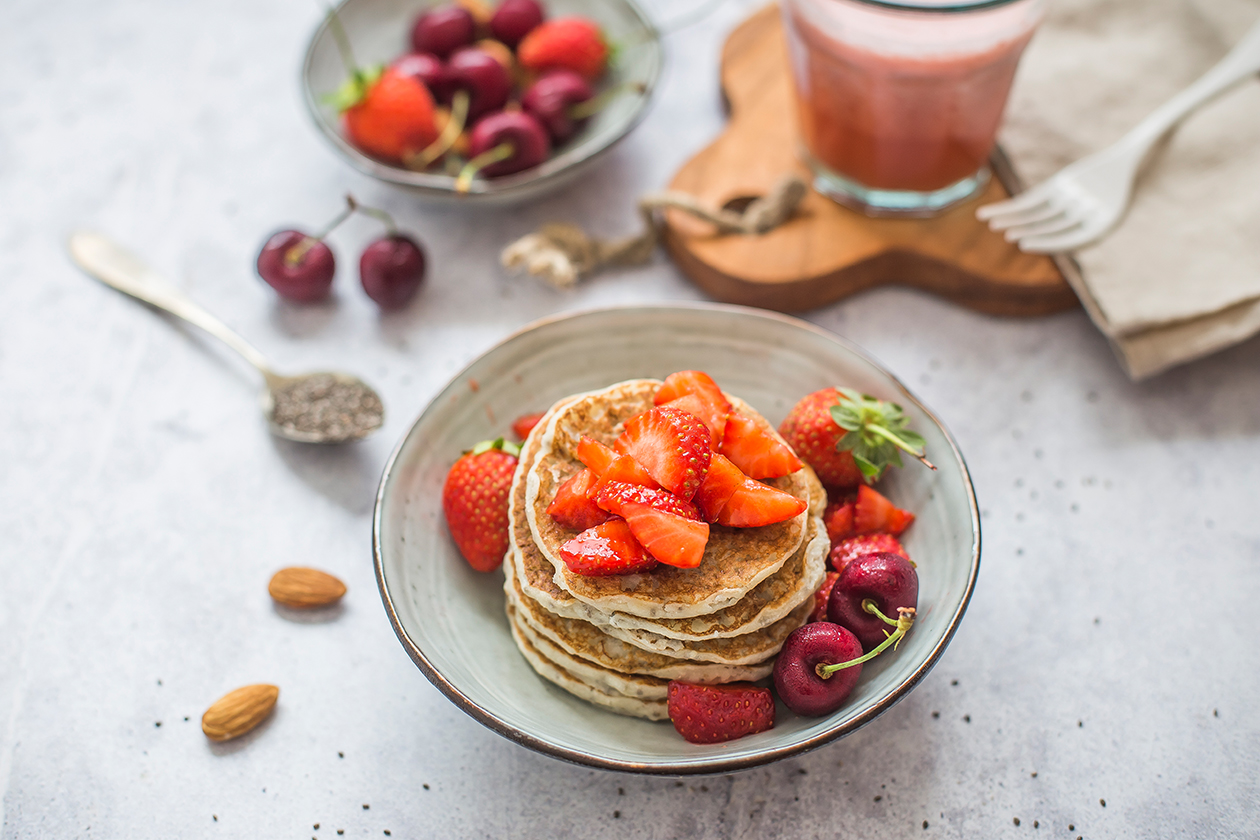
451,619
379,31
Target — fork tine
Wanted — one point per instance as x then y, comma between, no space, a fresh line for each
1059,242
1059,224
1015,204
1042,212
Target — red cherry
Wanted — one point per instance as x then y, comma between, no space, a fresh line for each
391,270
887,581
443,30
430,70
296,266
487,81
520,131
550,98
796,679
514,19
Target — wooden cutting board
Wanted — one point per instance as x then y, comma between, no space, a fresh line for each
828,252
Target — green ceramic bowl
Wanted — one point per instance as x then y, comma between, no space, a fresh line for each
451,621
379,31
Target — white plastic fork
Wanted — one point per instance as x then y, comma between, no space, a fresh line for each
1083,201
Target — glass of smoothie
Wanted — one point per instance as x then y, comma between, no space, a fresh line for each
899,101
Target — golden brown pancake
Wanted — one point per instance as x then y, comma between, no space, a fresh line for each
619,703
735,561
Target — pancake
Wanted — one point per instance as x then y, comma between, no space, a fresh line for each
735,561
769,603
610,682
619,703
726,660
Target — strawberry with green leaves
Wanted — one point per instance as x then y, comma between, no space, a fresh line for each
475,502
850,438
387,113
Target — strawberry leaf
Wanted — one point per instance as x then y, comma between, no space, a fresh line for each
354,89
876,432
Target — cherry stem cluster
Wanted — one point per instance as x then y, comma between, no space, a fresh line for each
503,151
905,618
294,255
450,133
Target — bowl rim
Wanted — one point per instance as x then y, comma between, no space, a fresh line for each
715,765
437,185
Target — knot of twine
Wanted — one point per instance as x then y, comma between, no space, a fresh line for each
561,254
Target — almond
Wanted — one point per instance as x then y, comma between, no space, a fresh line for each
304,589
238,712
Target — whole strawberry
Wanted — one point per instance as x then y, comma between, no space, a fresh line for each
572,43
813,435
390,116
849,438
711,714
475,501
847,550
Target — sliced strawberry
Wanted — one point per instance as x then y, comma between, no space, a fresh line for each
697,407
821,597
625,470
607,549
695,392
755,504
720,483
572,507
523,425
839,520
711,714
873,512
755,451
612,495
595,455
672,539
673,446
691,382
846,551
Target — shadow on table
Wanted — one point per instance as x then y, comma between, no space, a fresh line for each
344,473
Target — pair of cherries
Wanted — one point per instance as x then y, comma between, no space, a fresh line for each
300,267
820,663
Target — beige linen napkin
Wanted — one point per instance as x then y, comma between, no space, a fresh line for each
1180,277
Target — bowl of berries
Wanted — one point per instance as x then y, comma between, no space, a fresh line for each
473,101
719,518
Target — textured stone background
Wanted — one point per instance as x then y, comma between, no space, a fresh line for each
1109,653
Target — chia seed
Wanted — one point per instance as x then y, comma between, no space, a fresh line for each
327,407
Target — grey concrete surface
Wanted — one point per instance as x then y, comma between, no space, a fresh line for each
1105,682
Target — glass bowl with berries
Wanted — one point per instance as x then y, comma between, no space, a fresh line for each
684,538
494,101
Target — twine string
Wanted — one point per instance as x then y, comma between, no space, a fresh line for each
562,253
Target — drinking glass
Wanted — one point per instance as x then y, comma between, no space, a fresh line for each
899,101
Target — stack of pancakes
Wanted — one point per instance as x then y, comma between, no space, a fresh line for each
618,640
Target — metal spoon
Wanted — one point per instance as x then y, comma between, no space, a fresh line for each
322,407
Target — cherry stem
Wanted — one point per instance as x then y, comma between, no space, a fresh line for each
294,255
869,606
342,41
503,151
905,618
450,133
899,443
595,104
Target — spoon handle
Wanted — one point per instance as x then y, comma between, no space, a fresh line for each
114,266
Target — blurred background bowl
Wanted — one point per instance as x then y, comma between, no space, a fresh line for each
379,32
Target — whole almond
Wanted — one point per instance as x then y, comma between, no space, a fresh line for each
305,589
238,712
